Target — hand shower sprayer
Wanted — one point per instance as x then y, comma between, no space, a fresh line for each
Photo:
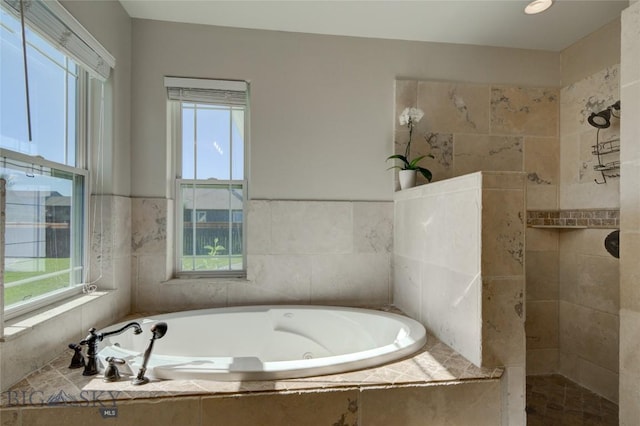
158,329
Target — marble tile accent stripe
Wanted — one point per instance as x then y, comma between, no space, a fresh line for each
589,218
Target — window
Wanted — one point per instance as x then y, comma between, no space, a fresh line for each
43,154
209,125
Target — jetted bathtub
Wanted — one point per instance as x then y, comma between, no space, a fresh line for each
266,342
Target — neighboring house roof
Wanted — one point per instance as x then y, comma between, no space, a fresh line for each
58,201
213,199
51,198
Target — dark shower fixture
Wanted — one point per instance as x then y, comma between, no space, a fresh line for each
602,119
612,243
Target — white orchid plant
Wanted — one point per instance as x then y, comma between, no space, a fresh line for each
409,117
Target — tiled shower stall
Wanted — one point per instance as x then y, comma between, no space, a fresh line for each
571,281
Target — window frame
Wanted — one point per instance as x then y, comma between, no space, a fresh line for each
84,114
52,22
175,132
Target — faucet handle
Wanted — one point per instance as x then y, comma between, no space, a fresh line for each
114,360
92,337
78,360
111,373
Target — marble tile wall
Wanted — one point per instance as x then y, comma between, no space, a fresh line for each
437,276
578,100
629,388
476,127
503,286
471,127
572,282
461,403
110,251
333,252
542,271
459,269
589,301
588,277
415,406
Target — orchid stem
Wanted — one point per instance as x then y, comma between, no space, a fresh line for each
407,150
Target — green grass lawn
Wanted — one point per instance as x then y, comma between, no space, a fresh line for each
36,288
210,263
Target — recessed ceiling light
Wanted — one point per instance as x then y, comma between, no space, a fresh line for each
537,6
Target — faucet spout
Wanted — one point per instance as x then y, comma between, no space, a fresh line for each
92,339
134,325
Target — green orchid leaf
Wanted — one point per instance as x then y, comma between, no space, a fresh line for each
399,157
414,163
426,173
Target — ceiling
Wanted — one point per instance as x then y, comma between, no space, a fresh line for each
481,22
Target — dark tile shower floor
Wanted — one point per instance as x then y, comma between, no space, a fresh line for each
556,401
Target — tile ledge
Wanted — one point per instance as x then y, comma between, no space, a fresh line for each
558,226
16,327
205,280
435,364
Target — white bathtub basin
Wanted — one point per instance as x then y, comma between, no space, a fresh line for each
267,342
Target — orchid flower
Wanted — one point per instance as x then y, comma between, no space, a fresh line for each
409,117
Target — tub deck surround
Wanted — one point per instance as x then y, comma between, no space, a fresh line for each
56,384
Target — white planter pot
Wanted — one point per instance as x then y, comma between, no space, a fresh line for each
407,178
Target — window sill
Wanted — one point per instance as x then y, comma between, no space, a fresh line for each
558,226
16,327
206,280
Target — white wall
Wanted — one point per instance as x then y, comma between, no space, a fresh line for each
321,106
322,125
109,23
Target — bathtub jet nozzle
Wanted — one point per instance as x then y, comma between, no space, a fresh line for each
158,329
